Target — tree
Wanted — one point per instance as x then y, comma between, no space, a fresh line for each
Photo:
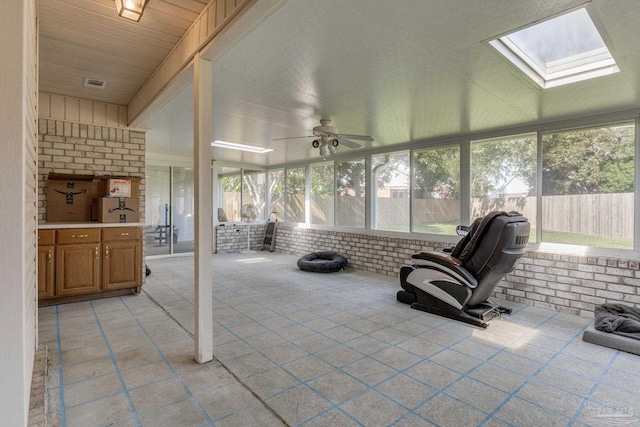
437,173
494,164
276,192
589,161
387,167
350,176
322,179
295,183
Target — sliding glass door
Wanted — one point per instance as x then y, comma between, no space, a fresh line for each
169,210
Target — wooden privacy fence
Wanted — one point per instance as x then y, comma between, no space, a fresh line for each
604,215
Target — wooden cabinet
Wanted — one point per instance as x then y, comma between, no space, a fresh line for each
77,261
77,269
122,258
86,263
46,263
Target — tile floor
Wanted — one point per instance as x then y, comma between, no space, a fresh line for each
298,348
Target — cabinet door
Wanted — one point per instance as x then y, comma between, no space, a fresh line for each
77,269
45,271
122,265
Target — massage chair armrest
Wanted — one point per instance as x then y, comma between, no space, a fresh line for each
437,257
446,264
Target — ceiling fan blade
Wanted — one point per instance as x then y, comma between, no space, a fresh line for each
357,137
347,143
293,137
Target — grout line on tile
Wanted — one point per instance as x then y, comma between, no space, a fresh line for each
265,405
117,368
63,412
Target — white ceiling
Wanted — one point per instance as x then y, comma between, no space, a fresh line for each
399,71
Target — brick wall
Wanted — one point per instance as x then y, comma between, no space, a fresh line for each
571,284
75,148
233,238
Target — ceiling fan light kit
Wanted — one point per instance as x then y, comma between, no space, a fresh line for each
329,137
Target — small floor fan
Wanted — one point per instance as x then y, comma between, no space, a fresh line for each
248,214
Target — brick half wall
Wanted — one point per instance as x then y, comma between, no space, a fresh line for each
564,283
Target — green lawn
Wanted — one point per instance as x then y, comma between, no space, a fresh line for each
547,236
585,240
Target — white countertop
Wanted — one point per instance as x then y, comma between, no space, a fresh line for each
49,225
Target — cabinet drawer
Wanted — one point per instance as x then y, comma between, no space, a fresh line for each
120,233
78,235
46,237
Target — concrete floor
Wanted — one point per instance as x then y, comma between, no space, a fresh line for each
298,348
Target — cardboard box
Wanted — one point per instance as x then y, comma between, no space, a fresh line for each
119,209
118,187
104,190
69,197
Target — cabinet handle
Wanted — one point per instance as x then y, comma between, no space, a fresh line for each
49,255
106,252
96,252
79,236
123,234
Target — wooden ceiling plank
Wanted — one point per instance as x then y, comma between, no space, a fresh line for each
57,49
120,77
115,25
90,66
55,86
113,87
171,10
104,44
192,5
162,23
58,21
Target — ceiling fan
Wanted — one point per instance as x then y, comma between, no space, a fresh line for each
329,138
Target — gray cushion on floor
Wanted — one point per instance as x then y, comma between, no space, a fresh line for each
605,339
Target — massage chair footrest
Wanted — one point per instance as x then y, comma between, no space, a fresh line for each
486,311
455,315
406,297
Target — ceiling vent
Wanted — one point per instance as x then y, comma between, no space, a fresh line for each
94,83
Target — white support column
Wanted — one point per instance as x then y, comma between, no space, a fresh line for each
203,279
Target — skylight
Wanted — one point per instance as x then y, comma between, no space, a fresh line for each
561,50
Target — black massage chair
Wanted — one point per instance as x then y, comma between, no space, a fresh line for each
457,285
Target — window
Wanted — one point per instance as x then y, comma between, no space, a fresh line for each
276,193
295,184
253,191
503,176
231,195
588,186
582,192
350,192
322,193
561,50
390,172
436,190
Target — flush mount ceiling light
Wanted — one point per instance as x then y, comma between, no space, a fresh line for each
131,9
565,49
240,147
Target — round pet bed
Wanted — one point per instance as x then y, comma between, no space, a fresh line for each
322,262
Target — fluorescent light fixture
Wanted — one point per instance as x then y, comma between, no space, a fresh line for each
240,147
558,51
